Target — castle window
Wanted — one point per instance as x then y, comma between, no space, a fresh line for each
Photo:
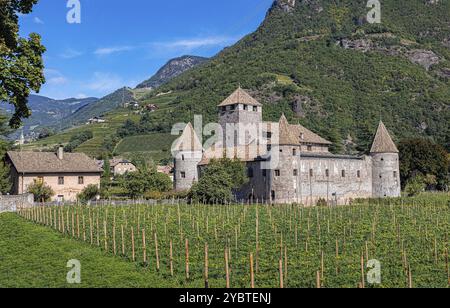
183,174
327,173
295,172
343,173
311,172
395,174
182,157
269,135
245,107
277,173
250,172
272,194
269,148
264,173
310,148
382,159
255,109
61,180
80,180
233,107
358,174
294,152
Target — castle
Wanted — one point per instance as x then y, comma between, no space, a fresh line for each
287,163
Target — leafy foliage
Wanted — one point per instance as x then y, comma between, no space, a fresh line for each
89,193
21,65
218,181
41,191
78,140
422,158
137,184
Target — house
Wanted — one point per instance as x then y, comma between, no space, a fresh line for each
287,163
151,107
121,166
96,120
66,173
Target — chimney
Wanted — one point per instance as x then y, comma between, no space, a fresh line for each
61,152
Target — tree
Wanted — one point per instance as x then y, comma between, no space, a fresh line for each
89,193
137,184
21,64
415,186
219,180
425,158
41,191
5,182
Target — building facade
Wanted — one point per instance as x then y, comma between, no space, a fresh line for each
288,163
68,174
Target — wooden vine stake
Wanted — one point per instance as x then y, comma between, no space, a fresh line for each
171,257
318,280
123,240
252,275
446,266
227,269
281,274
144,247
133,253
206,266
363,282
187,258
156,252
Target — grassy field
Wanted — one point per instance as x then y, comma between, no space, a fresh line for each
330,245
154,146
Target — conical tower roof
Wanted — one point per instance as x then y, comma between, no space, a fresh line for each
189,140
240,97
286,135
383,142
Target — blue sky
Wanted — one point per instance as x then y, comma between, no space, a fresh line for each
122,43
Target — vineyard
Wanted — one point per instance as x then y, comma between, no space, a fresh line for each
243,246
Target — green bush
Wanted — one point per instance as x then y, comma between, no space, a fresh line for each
41,191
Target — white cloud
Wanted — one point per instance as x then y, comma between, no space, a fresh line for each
81,96
111,50
194,43
54,77
104,82
37,20
70,53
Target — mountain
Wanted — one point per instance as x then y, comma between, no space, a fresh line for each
98,108
323,65
48,112
170,70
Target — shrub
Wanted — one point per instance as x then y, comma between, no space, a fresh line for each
89,193
41,191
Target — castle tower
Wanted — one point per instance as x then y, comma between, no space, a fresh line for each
188,153
285,177
235,113
385,165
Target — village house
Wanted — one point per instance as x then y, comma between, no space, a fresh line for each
96,120
121,166
66,173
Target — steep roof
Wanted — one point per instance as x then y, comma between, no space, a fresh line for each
299,131
189,140
383,142
46,162
286,137
240,97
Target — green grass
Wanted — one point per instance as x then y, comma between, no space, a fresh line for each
146,143
34,256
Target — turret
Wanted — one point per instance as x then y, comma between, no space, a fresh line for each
385,165
285,159
188,153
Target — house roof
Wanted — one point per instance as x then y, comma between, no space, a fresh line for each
286,136
383,142
300,131
240,97
47,162
114,162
